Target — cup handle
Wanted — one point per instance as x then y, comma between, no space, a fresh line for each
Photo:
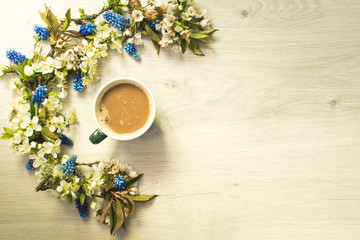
97,136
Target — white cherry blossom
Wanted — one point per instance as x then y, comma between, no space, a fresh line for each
137,15
30,124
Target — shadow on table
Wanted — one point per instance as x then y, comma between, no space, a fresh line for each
147,154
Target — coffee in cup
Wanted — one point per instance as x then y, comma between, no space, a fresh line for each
124,109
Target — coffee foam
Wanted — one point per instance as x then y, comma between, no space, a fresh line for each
104,116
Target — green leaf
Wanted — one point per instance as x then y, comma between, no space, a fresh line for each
111,2
73,33
194,47
119,216
27,94
42,115
69,198
9,131
48,135
90,37
112,216
206,40
207,32
183,45
67,20
32,109
82,198
130,204
157,46
154,36
118,10
43,17
105,211
133,180
6,136
19,69
142,198
198,35
54,22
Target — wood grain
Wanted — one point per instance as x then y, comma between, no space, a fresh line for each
257,140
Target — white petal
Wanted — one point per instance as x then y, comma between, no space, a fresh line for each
23,125
29,132
52,128
35,119
59,189
37,162
37,127
26,117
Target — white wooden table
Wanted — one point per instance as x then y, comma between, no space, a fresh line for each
257,140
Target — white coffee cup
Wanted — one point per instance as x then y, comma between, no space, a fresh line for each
102,132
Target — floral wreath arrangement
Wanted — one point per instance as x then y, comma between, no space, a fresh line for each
37,121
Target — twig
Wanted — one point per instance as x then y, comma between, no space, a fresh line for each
88,164
79,174
92,16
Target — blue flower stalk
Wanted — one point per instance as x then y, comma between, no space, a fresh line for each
120,183
30,165
15,56
130,49
69,167
39,95
42,33
117,20
87,29
82,208
65,140
78,82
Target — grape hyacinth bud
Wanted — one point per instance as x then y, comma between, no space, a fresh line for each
42,33
65,140
120,183
117,20
82,208
69,167
29,165
130,49
87,29
15,57
78,82
39,95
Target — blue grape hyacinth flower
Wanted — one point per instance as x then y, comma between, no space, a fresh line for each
42,33
15,56
69,167
130,49
39,95
82,208
65,140
153,25
29,165
120,183
78,82
117,20
87,29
